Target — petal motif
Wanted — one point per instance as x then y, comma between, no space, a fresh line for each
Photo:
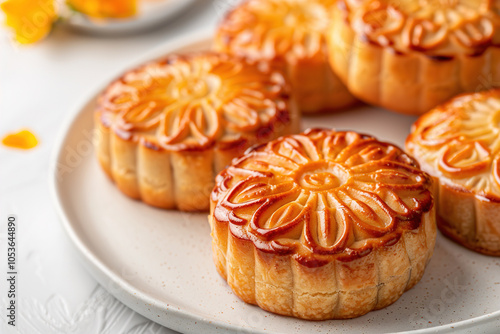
279,28
496,169
30,20
381,21
465,159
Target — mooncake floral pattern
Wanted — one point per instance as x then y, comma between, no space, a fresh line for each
429,24
462,140
323,192
196,101
275,28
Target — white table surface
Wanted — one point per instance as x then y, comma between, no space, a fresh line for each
39,85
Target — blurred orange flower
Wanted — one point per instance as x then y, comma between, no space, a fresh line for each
105,8
31,20
23,139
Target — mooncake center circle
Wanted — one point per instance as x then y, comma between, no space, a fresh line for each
322,175
196,87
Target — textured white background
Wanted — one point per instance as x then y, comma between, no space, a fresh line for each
38,85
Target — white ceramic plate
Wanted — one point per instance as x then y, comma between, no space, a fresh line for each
150,13
159,262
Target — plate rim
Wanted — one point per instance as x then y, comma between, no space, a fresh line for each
99,271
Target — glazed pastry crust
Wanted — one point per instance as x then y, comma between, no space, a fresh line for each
337,290
458,144
166,129
291,34
259,249
379,66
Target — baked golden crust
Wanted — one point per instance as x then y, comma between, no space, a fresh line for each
322,225
290,33
168,127
458,143
437,27
409,56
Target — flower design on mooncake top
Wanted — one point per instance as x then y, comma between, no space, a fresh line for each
322,193
426,25
196,101
460,141
275,28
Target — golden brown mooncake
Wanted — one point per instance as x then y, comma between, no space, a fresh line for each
322,225
458,143
409,56
291,33
167,128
